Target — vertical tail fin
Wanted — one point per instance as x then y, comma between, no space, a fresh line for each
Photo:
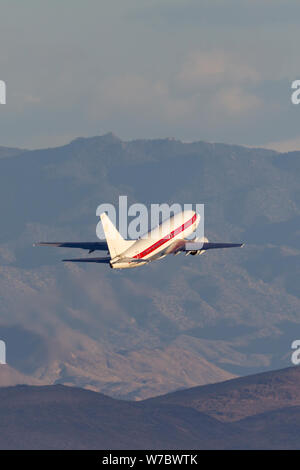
115,241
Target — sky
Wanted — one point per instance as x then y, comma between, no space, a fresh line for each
214,70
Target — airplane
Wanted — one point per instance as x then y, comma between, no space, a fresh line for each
170,237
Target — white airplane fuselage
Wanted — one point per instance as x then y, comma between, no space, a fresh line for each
159,241
170,237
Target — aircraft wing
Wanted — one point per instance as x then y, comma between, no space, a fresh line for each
88,260
105,260
133,260
90,246
195,246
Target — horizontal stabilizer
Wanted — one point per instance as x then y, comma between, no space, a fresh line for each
88,260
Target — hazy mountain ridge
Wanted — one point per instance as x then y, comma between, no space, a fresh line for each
6,152
60,417
240,398
223,313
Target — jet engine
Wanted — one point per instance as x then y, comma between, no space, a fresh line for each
198,252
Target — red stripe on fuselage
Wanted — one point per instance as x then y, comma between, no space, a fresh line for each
163,240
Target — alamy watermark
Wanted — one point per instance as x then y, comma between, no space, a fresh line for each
136,220
295,96
296,354
2,92
2,352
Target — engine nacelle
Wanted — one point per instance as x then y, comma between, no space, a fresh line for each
198,252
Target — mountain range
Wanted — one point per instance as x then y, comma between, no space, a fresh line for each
174,324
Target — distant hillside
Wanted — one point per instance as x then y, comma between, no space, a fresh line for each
59,417
178,323
239,398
